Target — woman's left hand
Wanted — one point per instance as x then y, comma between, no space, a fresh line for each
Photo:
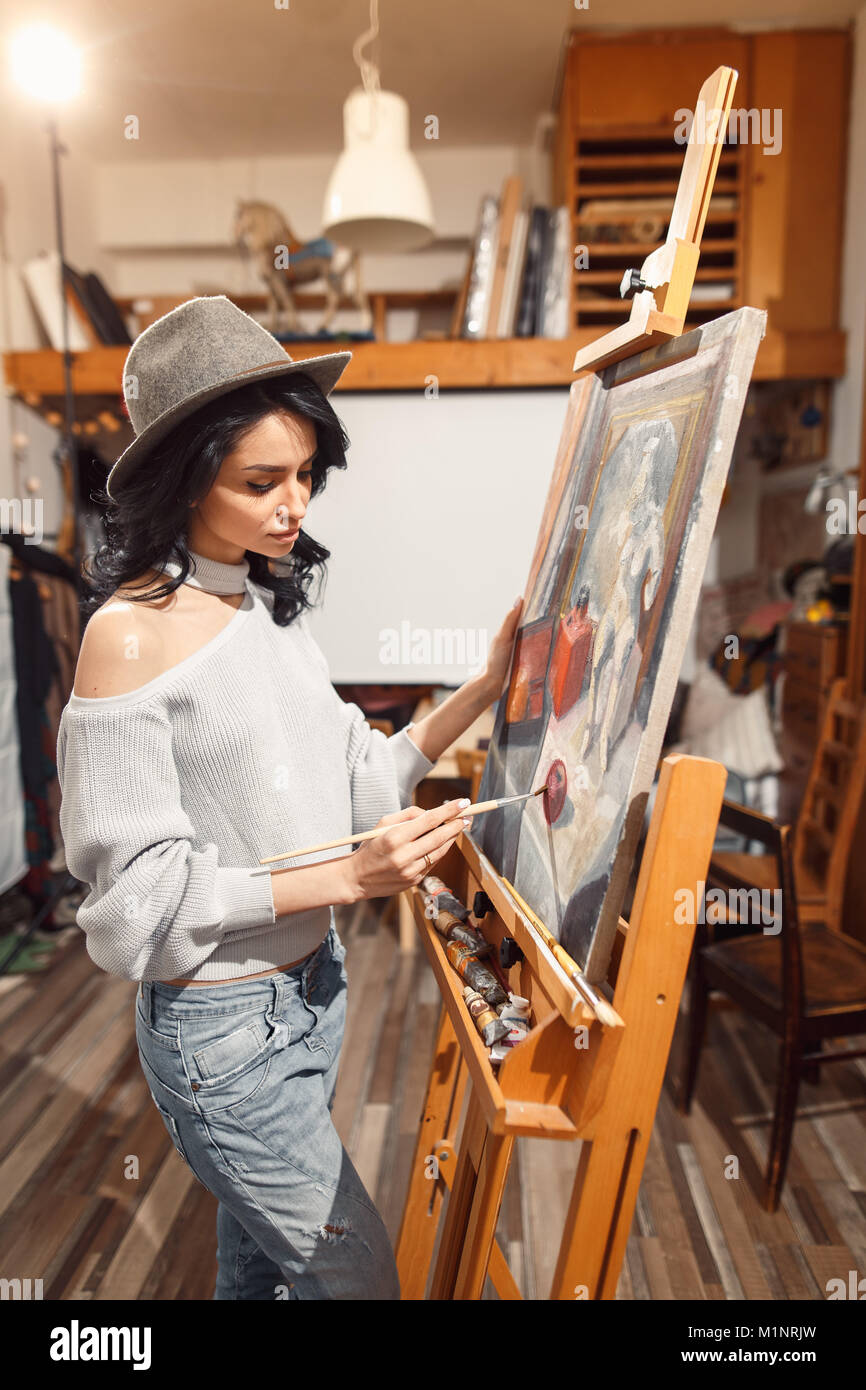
499,654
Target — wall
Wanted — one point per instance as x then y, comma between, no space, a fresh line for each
165,228
166,225
432,528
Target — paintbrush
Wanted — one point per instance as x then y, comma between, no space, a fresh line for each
604,1012
477,809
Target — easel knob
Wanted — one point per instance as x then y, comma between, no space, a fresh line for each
481,905
509,952
631,284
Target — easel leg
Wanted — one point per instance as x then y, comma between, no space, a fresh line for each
487,1200
648,990
599,1217
406,929
460,1202
424,1200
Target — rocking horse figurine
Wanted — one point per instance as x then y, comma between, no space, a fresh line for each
262,233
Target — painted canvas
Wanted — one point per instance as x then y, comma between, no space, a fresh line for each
612,591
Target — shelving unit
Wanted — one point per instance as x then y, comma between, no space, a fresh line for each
618,114
605,168
37,377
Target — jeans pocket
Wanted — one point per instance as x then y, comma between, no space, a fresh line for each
229,1068
164,1037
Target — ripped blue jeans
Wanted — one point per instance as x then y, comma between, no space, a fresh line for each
243,1076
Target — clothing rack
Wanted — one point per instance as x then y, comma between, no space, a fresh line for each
54,609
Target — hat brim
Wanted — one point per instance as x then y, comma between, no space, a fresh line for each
325,371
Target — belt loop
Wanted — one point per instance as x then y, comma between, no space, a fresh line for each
278,982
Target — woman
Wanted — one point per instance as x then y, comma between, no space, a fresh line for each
203,735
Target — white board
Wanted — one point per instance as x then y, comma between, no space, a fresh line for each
431,529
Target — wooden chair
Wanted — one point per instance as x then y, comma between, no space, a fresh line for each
804,981
825,835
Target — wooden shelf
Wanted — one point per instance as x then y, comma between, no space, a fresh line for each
625,188
37,377
601,168
617,141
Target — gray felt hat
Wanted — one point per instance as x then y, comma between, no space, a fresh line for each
200,350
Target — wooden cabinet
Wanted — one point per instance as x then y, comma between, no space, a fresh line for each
814,657
641,79
774,227
796,198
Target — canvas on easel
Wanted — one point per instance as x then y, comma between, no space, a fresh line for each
611,595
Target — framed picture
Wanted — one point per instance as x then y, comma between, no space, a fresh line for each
608,606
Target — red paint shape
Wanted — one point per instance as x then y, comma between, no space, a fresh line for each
553,799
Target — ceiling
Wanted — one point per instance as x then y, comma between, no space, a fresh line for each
223,78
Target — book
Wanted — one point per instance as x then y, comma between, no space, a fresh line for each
509,206
553,316
527,314
481,275
104,313
41,276
514,274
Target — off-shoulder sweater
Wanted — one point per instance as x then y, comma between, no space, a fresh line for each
172,793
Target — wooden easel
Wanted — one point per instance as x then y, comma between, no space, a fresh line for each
603,1092
572,1077
661,289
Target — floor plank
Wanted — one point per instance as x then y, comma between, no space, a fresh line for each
78,1113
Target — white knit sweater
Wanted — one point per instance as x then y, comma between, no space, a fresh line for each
172,793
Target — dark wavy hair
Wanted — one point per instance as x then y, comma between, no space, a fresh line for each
146,523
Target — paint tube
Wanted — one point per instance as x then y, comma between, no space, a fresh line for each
443,898
445,922
464,942
450,917
472,938
479,977
491,1028
458,953
515,1016
475,973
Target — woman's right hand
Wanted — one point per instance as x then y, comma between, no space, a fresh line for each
395,860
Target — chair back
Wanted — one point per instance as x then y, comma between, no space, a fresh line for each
776,912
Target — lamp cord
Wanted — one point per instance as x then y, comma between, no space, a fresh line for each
369,69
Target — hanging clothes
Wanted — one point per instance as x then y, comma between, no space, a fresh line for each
36,668
61,622
13,850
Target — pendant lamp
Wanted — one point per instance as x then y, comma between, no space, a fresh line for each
376,199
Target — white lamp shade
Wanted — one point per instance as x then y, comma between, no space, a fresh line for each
376,199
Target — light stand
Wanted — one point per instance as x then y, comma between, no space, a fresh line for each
67,434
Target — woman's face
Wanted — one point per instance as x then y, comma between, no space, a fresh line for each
260,495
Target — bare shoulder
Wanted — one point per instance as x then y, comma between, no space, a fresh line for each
123,643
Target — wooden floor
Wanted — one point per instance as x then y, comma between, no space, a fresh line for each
76,1106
